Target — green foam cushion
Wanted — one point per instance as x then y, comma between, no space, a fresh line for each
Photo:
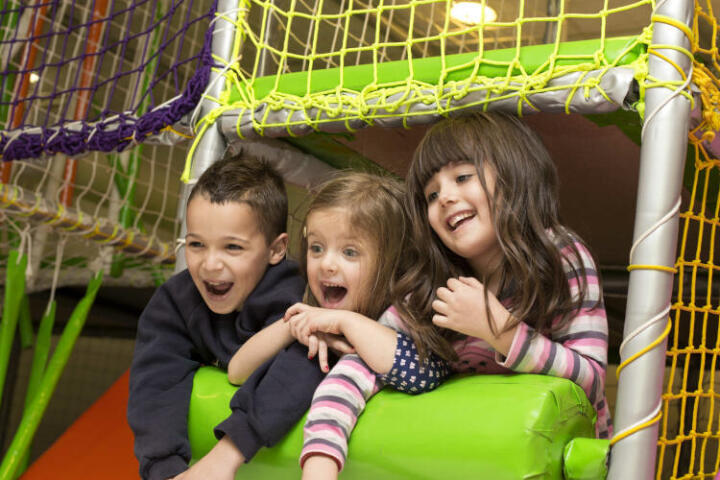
505,426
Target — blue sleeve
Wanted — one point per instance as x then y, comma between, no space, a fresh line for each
408,374
161,378
271,401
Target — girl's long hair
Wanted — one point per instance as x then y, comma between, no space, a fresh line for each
524,210
376,209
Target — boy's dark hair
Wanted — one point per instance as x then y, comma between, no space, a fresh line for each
249,180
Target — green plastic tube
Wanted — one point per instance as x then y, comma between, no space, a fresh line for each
25,323
14,291
41,353
32,416
499,427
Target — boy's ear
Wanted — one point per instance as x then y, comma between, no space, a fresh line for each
278,248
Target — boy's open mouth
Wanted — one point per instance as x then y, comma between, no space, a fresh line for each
333,293
218,288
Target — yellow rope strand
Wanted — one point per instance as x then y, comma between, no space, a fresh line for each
646,349
661,268
627,433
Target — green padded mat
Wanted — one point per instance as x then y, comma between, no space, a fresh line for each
480,426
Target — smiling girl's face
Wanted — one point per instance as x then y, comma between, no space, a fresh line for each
341,262
459,213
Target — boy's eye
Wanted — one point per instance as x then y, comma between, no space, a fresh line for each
234,247
194,244
350,252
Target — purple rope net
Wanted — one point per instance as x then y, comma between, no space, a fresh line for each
78,76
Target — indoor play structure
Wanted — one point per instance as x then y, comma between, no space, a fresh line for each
109,110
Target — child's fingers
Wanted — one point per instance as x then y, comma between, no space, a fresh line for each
323,355
470,281
453,284
296,325
339,345
293,310
440,320
440,307
312,346
443,293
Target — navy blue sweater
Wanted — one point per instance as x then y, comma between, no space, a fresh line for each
177,333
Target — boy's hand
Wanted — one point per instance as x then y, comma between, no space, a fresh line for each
220,463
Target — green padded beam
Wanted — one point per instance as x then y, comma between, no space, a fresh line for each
496,426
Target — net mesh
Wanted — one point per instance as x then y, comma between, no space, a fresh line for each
689,433
79,79
85,76
333,65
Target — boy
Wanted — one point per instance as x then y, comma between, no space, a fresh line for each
237,282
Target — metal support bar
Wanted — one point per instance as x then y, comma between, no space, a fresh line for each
212,144
662,157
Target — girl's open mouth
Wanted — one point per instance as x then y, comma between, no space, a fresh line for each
333,294
459,219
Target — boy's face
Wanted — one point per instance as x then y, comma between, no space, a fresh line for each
226,252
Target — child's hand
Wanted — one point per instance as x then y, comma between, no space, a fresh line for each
319,329
306,320
461,307
319,343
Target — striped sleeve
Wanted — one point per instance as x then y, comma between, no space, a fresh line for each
337,402
578,350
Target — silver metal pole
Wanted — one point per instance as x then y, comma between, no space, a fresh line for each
553,10
212,145
661,170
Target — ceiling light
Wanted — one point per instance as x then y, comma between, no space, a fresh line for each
472,13
34,77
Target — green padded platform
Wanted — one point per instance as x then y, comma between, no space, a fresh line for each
534,59
481,426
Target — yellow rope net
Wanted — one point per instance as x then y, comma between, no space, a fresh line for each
689,431
340,65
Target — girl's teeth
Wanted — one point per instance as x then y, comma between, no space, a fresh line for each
456,219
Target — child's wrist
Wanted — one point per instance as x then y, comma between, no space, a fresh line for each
320,466
229,454
503,342
347,321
